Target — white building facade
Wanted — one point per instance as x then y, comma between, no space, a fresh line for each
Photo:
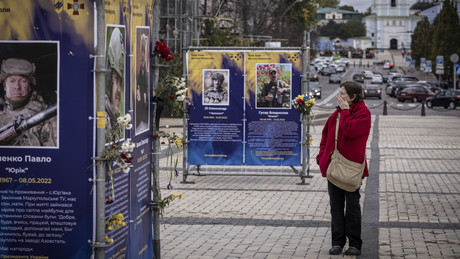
391,24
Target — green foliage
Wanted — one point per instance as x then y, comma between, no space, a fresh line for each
353,28
421,41
328,3
215,36
439,39
347,8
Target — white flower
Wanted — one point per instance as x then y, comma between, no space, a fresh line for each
126,169
129,126
121,163
128,116
181,92
127,146
180,98
120,119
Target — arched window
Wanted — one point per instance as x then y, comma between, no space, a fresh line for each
393,3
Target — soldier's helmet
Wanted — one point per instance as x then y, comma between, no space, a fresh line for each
116,52
20,67
219,77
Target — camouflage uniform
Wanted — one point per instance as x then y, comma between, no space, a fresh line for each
43,134
216,94
116,59
271,88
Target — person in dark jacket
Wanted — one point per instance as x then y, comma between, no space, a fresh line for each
354,129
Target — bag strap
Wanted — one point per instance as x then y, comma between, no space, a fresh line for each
337,130
336,136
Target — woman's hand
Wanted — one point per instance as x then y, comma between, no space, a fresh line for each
342,103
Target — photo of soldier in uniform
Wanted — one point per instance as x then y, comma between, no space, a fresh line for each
216,87
142,96
115,84
28,96
273,86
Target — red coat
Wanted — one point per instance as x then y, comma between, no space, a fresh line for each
354,129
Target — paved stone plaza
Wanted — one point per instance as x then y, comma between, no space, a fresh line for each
410,202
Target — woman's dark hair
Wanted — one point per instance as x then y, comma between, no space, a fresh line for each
354,90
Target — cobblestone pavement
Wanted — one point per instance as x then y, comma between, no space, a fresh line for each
411,201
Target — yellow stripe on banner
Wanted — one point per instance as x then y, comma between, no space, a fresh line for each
100,119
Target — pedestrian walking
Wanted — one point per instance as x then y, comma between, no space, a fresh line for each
353,132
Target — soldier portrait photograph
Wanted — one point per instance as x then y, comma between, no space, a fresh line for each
273,86
115,82
142,96
216,87
29,94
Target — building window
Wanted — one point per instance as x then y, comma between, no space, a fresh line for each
388,23
372,36
333,17
400,23
372,42
393,3
394,23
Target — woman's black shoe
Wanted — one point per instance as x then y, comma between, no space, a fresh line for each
352,251
335,250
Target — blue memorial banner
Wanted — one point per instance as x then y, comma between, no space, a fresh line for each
215,127
46,145
47,134
128,193
273,128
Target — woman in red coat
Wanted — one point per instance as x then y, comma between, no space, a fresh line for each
354,129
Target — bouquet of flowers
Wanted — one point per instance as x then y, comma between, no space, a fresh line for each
303,103
163,51
173,88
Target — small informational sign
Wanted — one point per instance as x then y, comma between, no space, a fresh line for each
457,69
428,66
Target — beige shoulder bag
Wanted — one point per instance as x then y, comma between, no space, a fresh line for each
343,173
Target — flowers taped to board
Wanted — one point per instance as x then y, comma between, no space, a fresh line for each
303,104
118,153
113,222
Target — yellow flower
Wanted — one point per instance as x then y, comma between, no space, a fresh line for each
174,195
123,224
110,228
179,141
110,240
106,237
180,196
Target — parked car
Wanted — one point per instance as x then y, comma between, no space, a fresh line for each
367,74
377,79
447,99
314,76
414,93
328,71
340,68
388,65
372,91
393,88
386,78
335,78
315,90
358,78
